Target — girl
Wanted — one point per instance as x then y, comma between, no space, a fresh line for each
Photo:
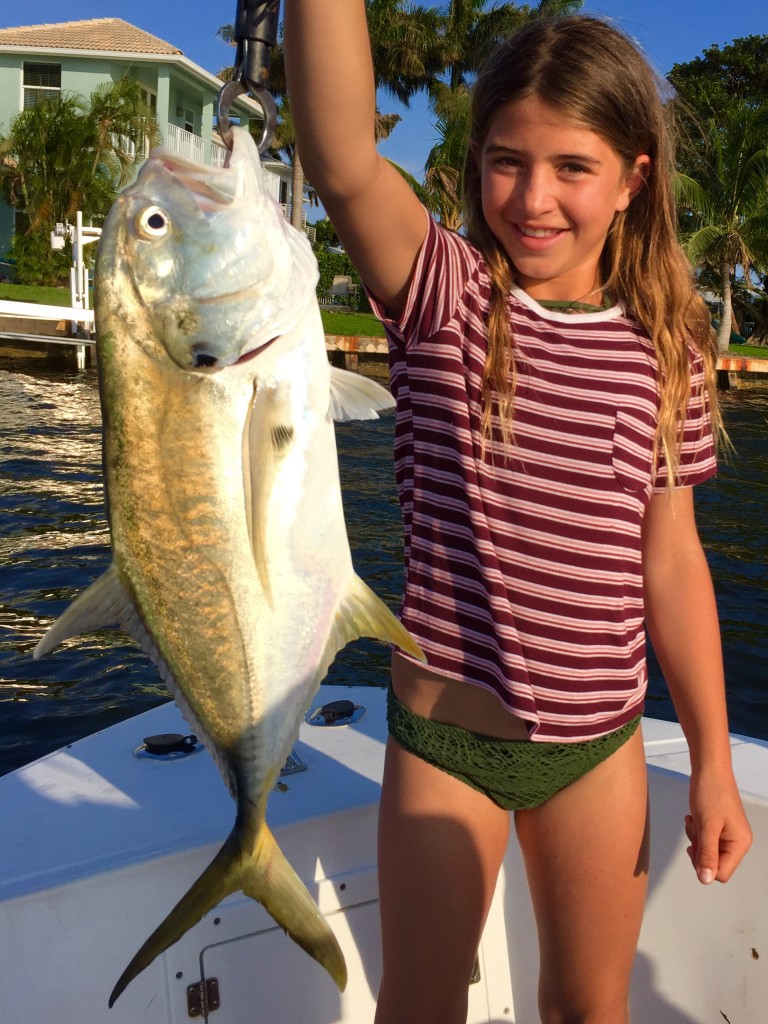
553,376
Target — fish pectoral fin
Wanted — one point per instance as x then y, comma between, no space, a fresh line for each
271,880
362,613
268,436
261,871
105,603
354,397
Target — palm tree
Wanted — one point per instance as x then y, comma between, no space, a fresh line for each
724,202
471,27
442,172
68,154
406,46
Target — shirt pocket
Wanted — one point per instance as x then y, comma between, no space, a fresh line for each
633,452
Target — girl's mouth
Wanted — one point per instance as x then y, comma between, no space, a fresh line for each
536,239
539,232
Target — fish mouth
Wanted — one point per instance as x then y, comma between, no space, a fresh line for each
252,353
203,359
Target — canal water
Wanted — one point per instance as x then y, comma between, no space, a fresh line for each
54,542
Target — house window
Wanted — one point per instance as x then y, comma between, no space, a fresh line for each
283,193
41,82
150,98
189,121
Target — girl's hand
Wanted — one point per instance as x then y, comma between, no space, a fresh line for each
717,826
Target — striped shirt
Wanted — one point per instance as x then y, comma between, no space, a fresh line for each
523,570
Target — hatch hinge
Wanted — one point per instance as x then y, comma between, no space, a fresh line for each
203,998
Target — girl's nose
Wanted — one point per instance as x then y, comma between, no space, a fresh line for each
534,193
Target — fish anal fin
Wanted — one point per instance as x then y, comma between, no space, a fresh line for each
105,603
354,397
362,613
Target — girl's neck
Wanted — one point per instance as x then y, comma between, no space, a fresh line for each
565,306
565,292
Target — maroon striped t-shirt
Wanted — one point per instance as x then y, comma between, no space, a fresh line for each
523,571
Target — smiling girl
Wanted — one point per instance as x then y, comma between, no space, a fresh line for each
553,371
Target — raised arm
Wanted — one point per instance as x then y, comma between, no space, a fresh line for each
333,104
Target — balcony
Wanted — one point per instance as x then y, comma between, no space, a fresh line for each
186,144
218,154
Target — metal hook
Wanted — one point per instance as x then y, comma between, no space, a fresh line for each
256,24
262,95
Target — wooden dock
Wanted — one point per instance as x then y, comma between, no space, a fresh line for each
36,335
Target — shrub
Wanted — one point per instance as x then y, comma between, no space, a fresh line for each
37,263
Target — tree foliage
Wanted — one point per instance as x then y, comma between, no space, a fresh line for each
735,73
724,201
68,154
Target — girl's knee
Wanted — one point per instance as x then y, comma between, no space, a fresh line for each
445,1003
559,1010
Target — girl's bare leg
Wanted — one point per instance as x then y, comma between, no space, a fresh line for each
441,844
586,857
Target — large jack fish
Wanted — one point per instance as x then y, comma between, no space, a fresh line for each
231,564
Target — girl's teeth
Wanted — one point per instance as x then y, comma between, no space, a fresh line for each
539,232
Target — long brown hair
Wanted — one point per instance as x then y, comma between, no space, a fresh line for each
592,74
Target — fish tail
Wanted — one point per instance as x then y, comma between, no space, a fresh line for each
271,880
262,873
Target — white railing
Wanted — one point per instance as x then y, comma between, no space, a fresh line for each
185,143
38,311
287,209
218,154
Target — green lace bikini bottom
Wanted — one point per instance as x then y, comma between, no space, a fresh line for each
515,774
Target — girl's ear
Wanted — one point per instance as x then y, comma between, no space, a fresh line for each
636,177
634,180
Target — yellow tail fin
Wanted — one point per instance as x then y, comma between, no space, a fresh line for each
263,873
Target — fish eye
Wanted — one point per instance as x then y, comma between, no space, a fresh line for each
153,222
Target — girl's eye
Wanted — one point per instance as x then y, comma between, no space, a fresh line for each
575,169
507,161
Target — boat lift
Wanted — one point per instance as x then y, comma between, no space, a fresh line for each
79,312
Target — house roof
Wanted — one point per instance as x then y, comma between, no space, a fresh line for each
101,34
110,37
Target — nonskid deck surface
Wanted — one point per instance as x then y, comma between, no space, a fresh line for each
100,841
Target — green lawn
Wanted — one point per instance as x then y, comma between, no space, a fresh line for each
346,322
364,325
754,351
32,293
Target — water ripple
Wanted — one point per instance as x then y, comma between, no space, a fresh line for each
54,542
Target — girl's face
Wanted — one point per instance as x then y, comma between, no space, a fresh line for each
550,189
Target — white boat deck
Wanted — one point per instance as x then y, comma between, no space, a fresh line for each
98,844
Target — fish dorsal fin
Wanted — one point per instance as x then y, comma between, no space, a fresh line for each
354,397
267,438
105,603
362,613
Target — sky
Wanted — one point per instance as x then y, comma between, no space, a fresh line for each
669,31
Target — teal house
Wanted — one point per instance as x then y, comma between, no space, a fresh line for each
38,61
